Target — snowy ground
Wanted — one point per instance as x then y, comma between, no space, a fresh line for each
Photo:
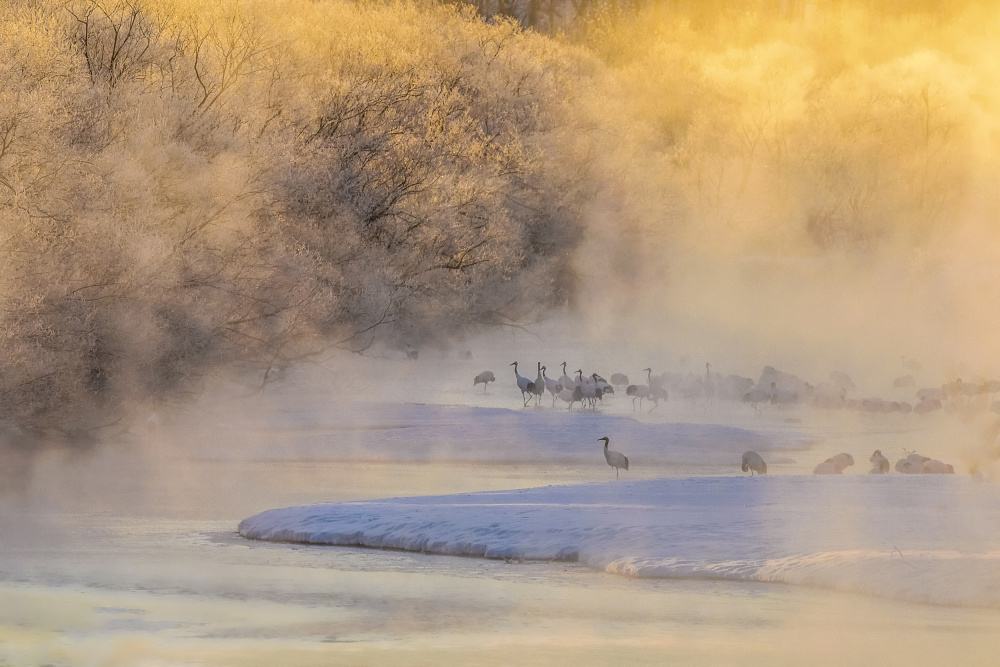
427,433
924,539
127,554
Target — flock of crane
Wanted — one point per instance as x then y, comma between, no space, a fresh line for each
752,462
773,387
584,390
911,464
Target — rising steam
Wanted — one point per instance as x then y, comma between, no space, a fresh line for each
250,185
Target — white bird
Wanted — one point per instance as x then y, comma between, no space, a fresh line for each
571,396
880,464
551,385
913,464
842,381
935,467
782,397
591,392
603,384
522,383
755,396
640,391
753,462
537,388
657,393
615,459
619,379
834,465
709,385
485,378
566,381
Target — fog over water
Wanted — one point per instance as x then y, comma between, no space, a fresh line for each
213,308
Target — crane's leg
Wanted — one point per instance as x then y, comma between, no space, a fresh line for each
616,472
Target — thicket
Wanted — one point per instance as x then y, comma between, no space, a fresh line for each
184,187
187,186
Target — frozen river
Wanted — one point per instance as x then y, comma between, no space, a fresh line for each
129,555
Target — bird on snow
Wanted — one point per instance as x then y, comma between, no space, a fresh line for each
619,379
591,393
935,467
551,385
485,378
640,391
880,464
523,384
615,459
537,388
913,464
571,396
834,465
566,381
753,462
603,384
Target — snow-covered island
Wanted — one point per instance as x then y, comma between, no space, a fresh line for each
894,536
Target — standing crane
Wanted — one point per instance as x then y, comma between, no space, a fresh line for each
640,391
537,388
551,385
485,378
571,396
615,459
523,384
566,381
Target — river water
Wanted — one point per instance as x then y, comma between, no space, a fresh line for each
128,555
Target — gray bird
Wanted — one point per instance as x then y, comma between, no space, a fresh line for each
484,378
753,462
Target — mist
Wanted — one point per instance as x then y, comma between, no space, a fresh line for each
253,255
233,187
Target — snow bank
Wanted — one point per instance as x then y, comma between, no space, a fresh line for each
415,432
923,539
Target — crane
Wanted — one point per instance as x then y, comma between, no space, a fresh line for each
523,384
615,459
753,462
485,378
